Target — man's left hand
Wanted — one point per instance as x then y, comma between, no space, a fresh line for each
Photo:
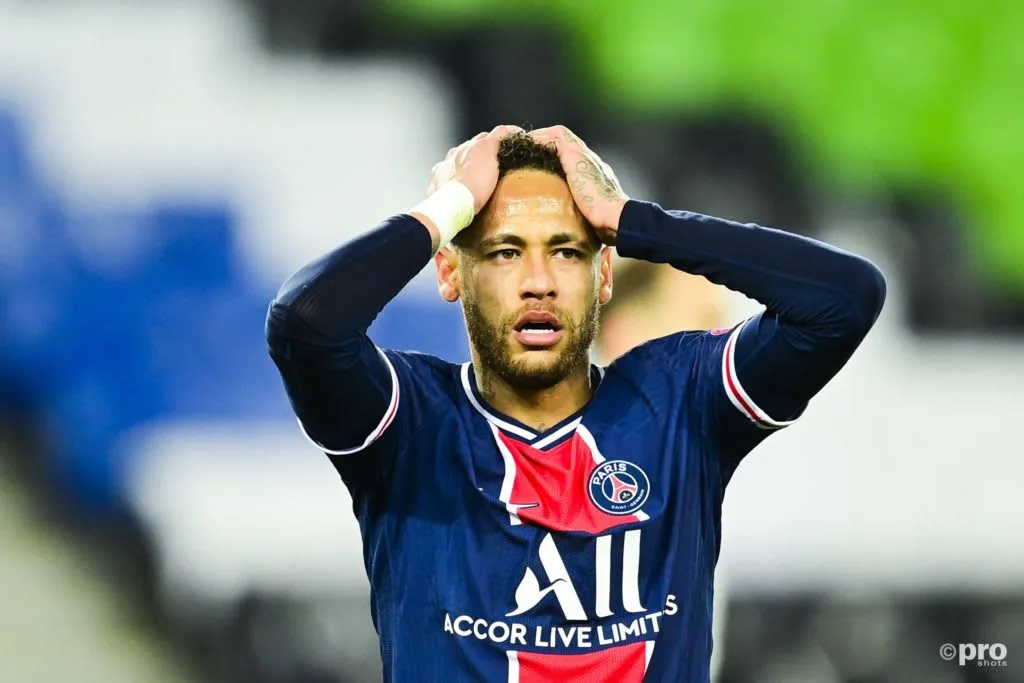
592,182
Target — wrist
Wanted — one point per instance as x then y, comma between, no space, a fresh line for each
608,228
449,210
615,213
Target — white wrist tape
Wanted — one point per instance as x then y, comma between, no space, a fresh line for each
450,208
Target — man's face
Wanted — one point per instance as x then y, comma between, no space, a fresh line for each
531,276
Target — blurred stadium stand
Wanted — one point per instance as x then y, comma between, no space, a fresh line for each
164,165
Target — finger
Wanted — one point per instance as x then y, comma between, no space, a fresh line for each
560,146
574,139
547,135
504,130
547,131
566,151
559,132
507,128
466,143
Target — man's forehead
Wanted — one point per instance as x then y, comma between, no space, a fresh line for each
532,205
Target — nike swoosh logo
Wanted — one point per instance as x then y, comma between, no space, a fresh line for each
514,508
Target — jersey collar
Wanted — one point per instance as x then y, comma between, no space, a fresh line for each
542,440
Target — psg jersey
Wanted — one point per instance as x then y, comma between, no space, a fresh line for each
585,552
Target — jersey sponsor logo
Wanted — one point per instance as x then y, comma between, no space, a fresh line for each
584,627
529,593
618,487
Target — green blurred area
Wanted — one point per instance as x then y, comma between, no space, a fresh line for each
876,93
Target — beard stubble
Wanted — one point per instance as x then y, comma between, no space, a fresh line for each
494,348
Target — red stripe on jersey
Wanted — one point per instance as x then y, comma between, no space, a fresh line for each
622,664
552,487
732,382
734,390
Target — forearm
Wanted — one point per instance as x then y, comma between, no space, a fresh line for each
820,303
802,281
345,290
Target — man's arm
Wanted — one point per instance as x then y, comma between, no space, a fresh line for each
342,388
820,304
820,301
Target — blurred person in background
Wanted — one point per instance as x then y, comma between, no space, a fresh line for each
654,300
529,515
651,301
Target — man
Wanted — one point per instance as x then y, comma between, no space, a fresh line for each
528,516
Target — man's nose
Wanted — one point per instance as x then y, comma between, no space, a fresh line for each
538,282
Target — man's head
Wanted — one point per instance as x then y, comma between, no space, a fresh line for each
530,271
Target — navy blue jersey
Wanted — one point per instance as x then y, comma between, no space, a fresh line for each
586,552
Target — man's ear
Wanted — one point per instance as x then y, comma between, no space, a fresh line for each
604,292
448,284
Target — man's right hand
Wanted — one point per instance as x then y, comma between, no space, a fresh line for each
474,163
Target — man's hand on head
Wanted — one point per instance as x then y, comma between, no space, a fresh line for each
474,163
592,182
461,184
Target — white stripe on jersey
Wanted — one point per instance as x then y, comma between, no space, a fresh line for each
513,666
389,416
555,436
493,419
509,479
734,390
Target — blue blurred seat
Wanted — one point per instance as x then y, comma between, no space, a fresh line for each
198,356
15,165
193,246
114,321
37,275
176,334
210,355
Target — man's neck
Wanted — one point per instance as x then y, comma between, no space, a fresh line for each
538,408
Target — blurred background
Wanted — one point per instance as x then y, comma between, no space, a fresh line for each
165,165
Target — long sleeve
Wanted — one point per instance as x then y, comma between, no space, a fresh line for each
820,302
342,388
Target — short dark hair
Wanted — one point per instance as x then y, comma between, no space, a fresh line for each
519,152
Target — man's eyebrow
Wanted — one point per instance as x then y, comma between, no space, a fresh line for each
565,238
511,240
498,240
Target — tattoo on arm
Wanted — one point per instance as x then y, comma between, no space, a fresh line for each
589,172
579,186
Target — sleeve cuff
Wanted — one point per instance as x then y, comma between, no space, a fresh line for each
734,389
389,416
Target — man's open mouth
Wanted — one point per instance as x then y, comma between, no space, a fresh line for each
538,329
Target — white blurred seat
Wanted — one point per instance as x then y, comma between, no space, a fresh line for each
233,509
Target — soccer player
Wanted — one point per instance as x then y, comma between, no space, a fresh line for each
530,516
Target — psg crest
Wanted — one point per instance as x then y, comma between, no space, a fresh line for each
618,487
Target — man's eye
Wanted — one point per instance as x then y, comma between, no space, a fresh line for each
504,254
569,253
